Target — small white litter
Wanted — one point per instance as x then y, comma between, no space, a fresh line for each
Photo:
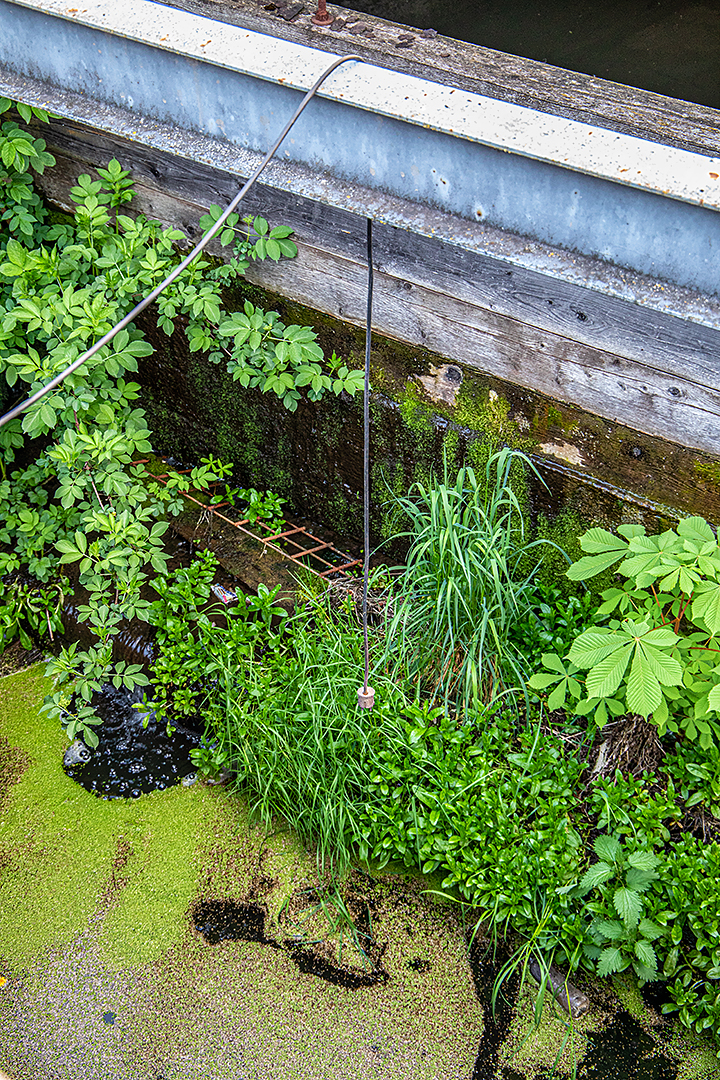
227,596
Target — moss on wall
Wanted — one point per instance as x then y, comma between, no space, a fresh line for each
590,470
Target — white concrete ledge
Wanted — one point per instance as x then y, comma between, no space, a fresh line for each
636,205
608,155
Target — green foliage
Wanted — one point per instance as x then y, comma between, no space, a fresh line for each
254,505
551,623
462,591
21,209
493,806
209,760
298,741
659,659
30,613
180,669
636,809
496,821
696,773
87,497
200,650
688,883
622,934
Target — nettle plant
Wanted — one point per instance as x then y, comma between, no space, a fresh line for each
87,496
658,654
621,933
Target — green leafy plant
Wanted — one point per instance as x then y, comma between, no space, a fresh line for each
254,506
692,963
659,659
622,935
551,623
696,772
636,808
210,760
298,741
88,497
31,612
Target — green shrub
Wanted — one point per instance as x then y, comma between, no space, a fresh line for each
88,496
689,880
621,932
659,659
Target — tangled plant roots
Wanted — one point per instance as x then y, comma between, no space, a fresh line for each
631,745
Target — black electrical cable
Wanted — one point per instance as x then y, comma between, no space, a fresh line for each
107,338
366,695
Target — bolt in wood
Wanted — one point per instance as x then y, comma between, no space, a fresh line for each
322,16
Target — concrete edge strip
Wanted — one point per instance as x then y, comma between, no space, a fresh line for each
625,159
532,255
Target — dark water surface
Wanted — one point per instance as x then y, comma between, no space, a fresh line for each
669,46
131,759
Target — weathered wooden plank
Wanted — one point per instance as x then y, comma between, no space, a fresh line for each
627,391
672,345
487,71
651,372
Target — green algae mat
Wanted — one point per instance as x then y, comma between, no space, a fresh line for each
104,975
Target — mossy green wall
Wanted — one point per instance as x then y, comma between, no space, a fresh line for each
589,470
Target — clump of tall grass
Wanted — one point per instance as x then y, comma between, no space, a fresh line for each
298,742
465,582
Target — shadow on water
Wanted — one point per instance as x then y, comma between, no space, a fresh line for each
485,963
622,1050
231,920
235,920
130,760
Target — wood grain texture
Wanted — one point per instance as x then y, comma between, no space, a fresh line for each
654,373
487,71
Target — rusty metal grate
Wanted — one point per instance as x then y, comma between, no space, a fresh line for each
296,543
298,536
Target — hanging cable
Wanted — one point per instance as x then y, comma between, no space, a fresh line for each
107,338
366,694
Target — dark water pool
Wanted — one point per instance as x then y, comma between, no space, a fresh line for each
669,46
131,759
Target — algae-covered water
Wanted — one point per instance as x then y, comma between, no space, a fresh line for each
166,936
669,46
